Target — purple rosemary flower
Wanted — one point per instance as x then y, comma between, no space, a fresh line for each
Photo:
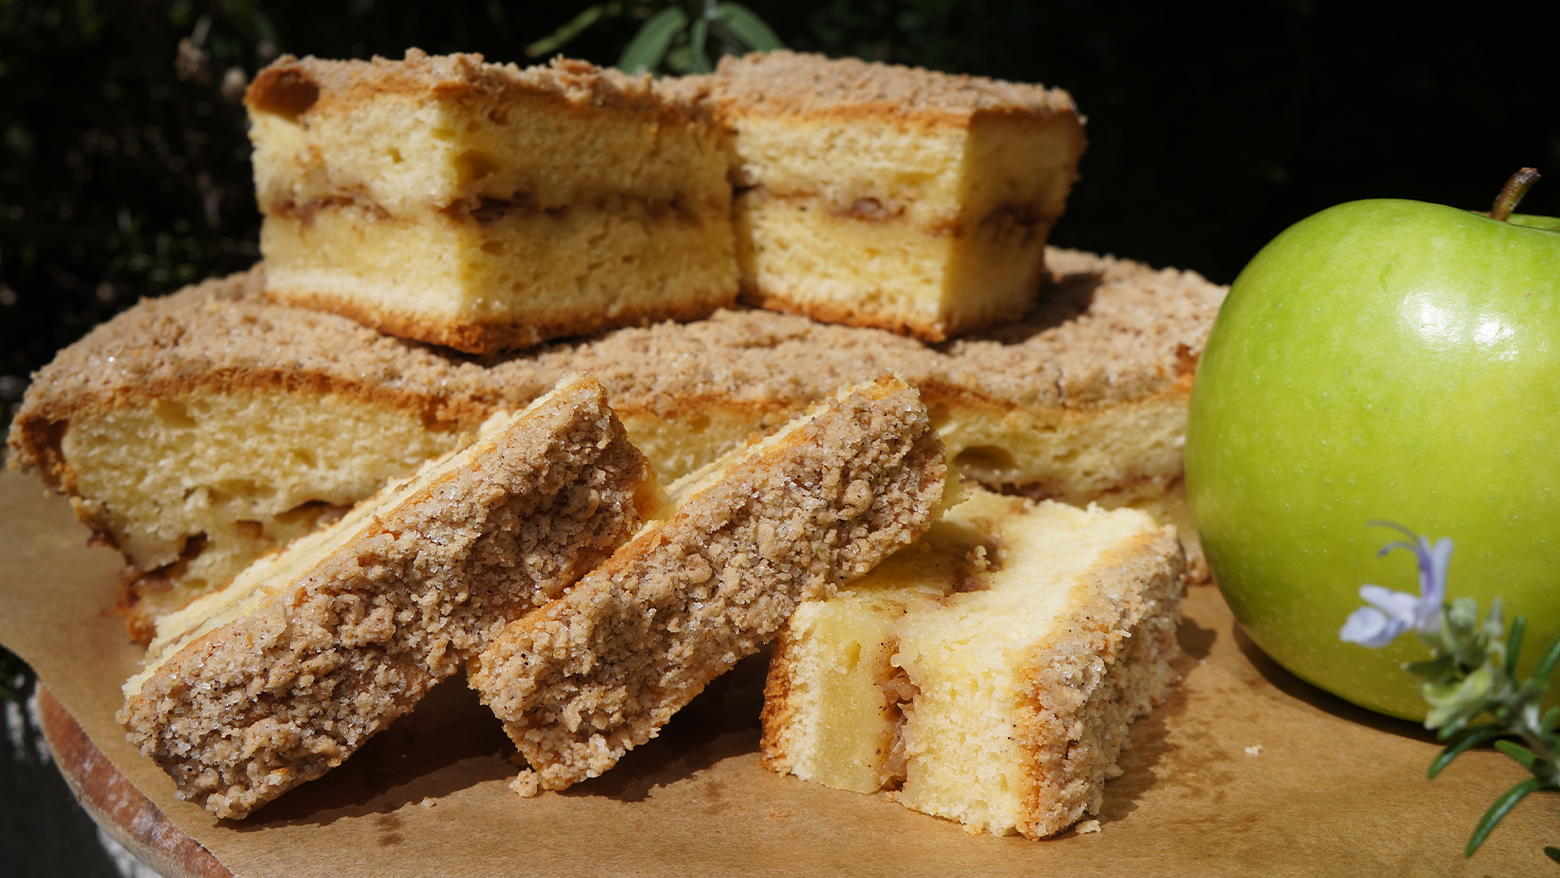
1393,612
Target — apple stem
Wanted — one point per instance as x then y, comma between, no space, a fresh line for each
1511,194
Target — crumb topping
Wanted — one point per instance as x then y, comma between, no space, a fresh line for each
800,83
295,87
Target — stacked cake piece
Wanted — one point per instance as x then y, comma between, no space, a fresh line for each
894,197
485,207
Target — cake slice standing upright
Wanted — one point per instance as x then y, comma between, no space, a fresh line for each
486,207
893,197
588,677
274,680
989,672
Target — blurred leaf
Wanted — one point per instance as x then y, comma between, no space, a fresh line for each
1514,644
14,675
1546,664
650,45
550,43
698,62
739,25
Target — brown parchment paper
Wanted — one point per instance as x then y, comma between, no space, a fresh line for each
1245,771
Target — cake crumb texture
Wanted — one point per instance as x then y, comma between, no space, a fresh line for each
588,677
282,675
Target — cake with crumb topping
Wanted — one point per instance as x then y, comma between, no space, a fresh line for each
599,671
894,197
989,672
484,206
254,689
199,430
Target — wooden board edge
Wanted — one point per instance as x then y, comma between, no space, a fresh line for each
116,805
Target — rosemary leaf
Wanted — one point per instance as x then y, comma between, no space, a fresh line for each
1501,808
1462,742
1520,754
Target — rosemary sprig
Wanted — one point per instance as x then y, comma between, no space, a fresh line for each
1470,680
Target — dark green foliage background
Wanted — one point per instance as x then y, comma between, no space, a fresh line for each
124,172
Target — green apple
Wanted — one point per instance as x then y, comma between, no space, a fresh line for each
1382,360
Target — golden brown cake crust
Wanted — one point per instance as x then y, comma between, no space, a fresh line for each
287,691
808,85
599,671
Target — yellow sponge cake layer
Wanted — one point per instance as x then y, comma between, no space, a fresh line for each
598,672
274,680
483,206
989,672
209,515
846,268
887,196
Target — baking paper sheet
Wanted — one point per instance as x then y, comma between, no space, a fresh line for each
1245,771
